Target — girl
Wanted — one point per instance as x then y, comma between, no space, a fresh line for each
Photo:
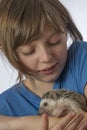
34,36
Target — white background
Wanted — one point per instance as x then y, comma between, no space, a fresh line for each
78,10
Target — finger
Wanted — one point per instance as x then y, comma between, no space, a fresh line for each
64,121
75,122
83,126
45,122
67,119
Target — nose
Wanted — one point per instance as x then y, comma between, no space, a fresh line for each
46,55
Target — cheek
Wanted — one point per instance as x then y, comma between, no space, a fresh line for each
29,62
61,54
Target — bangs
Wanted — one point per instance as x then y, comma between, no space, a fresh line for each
33,20
24,20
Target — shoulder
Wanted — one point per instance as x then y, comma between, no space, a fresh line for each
77,47
74,75
11,89
10,94
77,64
7,98
18,98
10,99
77,53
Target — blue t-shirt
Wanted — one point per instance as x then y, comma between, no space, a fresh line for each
19,101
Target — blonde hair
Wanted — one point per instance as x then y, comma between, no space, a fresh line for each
22,21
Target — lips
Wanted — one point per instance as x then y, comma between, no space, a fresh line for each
48,70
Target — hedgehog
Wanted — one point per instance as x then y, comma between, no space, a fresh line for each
60,102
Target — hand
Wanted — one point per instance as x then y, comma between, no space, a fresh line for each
69,122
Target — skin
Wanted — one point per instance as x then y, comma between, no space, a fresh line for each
46,56
69,122
71,118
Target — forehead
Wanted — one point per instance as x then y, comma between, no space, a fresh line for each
49,35
49,32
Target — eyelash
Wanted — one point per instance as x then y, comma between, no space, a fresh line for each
56,43
28,53
31,52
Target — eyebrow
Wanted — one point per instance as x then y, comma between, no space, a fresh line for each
54,32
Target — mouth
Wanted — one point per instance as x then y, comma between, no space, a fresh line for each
49,70
41,111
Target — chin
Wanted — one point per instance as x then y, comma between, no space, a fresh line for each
48,78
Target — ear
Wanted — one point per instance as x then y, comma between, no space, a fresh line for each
53,95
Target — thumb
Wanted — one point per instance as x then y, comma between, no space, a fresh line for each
45,122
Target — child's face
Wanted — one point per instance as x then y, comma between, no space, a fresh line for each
46,56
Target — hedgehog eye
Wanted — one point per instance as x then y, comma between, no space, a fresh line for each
45,104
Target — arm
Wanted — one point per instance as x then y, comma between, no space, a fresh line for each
23,123
35,122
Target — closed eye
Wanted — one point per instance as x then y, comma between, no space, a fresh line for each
55,43
29,53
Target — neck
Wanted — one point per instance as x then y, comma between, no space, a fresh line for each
38,87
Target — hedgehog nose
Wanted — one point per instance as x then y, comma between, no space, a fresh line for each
41,111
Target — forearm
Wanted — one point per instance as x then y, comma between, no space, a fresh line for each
30,122
23,123
34,122
10,123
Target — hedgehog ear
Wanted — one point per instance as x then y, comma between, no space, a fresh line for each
53,96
